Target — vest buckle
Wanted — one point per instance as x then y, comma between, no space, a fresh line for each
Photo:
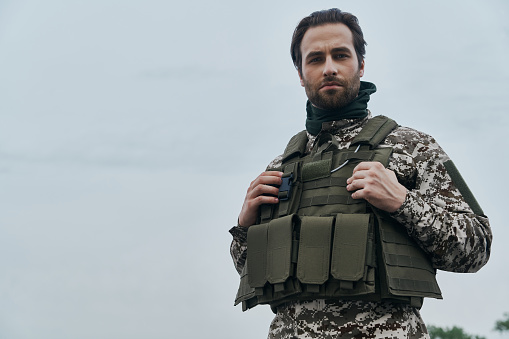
286,187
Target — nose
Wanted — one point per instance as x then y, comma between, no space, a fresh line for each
329,68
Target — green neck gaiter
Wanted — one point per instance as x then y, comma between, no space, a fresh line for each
355,110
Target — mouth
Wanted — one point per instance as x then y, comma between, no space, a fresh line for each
330,85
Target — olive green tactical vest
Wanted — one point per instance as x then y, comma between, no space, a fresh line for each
319,243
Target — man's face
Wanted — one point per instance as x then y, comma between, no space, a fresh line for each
330,69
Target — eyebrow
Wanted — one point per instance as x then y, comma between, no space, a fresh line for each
334,50
313,54
341,49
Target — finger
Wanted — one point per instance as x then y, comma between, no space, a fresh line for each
263,189
264,179
366,170
359,194
364,165
361,174
272,173
248,214
269,179
255,202
360,171
356,184
368,165
265,199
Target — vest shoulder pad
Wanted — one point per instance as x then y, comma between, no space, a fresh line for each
376,130
296,145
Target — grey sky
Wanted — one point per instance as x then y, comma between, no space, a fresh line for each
130,130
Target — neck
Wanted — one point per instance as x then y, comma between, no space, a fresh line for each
354,110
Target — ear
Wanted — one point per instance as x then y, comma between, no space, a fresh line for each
300,77
361,69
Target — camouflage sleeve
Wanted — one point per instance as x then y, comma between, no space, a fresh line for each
238,247
435,212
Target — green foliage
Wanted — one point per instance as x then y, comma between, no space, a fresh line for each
453,333
502,325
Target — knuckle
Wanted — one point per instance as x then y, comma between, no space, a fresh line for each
259,189
252,188
257,201
374,174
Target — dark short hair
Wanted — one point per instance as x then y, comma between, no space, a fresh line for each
329,16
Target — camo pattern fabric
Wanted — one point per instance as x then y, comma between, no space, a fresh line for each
328,319
435,215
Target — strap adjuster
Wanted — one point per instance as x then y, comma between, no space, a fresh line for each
286,188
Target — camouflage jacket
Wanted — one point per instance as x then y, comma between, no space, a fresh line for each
435,215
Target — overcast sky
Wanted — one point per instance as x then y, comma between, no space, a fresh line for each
130,130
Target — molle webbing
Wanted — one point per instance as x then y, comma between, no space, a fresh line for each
320,243
408,270
333,257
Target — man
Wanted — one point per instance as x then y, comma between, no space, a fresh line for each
347,227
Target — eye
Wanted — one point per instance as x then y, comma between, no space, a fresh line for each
314,60
341,56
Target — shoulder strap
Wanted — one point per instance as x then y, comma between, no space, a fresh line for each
296,145
372,134
375,131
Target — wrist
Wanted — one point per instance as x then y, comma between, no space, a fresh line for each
400,199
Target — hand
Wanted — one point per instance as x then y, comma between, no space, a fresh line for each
377,185
255,196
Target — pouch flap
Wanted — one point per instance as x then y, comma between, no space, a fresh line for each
257,254
314,249
349,246
279,249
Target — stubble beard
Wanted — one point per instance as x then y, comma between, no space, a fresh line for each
333,99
